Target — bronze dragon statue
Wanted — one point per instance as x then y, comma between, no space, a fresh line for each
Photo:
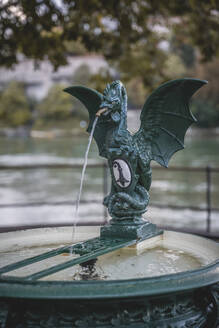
165,118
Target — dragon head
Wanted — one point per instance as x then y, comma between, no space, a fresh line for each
114,104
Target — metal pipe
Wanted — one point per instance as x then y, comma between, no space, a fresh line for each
105,188
208,197
101,111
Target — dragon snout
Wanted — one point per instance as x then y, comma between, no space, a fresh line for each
108,106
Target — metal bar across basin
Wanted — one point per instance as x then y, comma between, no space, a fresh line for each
89,255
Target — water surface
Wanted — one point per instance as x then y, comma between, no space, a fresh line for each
168,187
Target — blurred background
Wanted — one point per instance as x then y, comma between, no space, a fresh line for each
46,45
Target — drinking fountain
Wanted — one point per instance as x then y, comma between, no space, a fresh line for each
128,273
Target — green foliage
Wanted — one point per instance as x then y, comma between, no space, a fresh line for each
98,81
136,93
207,113
206,103
14,106
174,67
209,72
82,75
180,45
56,106
129,33
145,61
75,48
43,29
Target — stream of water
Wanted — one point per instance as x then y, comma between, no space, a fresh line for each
82,178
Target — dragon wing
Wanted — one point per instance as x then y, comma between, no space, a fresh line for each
165,118
91,99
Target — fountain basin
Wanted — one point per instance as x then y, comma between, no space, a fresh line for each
183,299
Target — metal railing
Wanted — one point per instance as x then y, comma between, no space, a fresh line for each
208,170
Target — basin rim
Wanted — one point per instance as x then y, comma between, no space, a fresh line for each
172,283
14,287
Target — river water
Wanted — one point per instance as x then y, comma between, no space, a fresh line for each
40,185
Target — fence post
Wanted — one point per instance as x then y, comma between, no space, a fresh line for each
208,197
105,188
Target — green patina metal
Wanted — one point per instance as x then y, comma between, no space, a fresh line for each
165,118
87,251
184,300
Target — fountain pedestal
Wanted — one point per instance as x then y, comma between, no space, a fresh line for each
129,229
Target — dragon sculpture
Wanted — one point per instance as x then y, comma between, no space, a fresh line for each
165,118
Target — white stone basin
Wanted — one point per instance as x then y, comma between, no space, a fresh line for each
169,253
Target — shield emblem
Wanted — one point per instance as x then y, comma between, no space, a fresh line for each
122,173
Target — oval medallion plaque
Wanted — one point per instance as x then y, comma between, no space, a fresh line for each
122,173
